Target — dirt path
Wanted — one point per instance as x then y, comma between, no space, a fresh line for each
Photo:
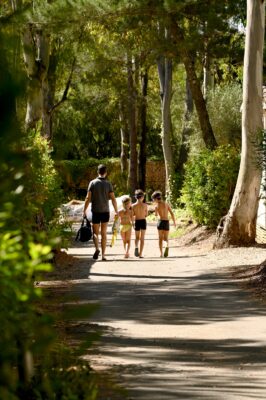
174,328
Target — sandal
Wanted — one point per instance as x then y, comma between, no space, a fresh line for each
96,254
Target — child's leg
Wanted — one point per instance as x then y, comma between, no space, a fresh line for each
128,241
137,237
161,236
123,236
165,237
142,237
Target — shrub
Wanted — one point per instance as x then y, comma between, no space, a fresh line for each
210,179
175,184
223,105
76,174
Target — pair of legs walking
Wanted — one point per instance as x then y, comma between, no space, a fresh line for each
126,237
98,229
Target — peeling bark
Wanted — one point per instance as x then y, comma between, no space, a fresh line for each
124,140
240,223
143,131
165,72
36,50
132,124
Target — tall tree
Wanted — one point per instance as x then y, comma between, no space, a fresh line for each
165,72
132,124
143,130
36,48
240,223
195,86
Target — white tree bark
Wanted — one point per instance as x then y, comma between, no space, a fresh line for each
240,223
36,52
165,78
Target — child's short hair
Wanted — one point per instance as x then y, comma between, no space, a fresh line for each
139,193
157,195
126,200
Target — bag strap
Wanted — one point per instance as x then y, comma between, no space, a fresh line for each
77,237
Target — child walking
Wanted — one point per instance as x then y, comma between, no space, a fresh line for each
126,221
140,212
163,210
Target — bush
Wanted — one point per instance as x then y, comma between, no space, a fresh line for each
223,105
210,179
28,189
76,175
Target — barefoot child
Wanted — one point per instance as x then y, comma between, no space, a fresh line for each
163,209
126,221
140,212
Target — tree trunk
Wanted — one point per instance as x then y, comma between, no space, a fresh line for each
208,80
49,85
188,60
165,78
133,137
36,56
124,140
143,131
184,148
240,222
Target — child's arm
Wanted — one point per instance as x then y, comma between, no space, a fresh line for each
146,210
132,216
172,215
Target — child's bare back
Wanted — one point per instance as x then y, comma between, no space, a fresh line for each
162,208
140,210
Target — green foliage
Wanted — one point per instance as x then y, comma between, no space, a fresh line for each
209,184
76,174
223,105
175,183
21,260
28,195
43,193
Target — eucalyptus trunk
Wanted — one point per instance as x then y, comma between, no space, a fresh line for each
143,131
132,124
165,78
36,49
186,131
48,90
240,223
124,134
200,104
208,79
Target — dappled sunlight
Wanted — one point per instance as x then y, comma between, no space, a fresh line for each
171,328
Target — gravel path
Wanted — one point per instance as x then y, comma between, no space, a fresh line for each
175,328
